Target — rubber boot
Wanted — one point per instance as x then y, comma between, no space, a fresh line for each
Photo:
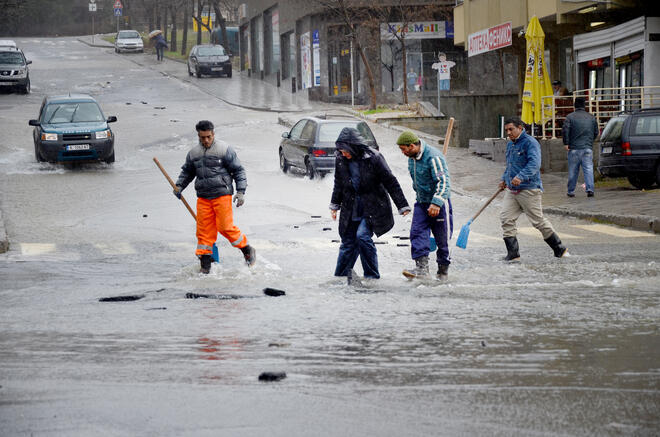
443,271
250,255
205,261
421,268
555,243
512,252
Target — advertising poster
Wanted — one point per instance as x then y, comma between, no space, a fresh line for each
316,46
306,61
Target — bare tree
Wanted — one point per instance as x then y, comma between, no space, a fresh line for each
184,39
402,12
351,16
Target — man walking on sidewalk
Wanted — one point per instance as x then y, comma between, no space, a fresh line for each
432,211
522,177
216,168
578,133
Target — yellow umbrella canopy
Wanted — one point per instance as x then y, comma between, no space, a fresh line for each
537,81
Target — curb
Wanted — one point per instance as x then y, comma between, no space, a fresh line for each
642,222
4,241
105,46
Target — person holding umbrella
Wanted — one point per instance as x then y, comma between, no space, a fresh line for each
159,43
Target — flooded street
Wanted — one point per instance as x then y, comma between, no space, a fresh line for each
547,347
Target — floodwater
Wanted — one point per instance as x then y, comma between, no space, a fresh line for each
546,347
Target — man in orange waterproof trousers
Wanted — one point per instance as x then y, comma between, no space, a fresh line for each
216,169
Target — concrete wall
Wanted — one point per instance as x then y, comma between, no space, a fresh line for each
652,54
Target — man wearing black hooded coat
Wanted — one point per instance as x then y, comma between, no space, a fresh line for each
362,184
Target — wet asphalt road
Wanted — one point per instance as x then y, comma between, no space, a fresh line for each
547,347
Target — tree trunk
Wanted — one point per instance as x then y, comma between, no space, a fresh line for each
370,75
165,22
186,22
404,64
173,47
157,13
199,21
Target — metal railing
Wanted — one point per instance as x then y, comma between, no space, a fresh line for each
602,103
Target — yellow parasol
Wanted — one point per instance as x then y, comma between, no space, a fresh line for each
537,82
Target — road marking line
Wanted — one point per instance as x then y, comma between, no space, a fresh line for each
118,248
614,231
533,232
34,249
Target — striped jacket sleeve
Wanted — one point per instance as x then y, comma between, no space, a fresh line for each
441,176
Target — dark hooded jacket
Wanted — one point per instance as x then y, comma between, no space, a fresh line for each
376,182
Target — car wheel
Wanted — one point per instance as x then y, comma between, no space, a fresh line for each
283,164
657,174
26,87
110,159
37,154
309,169
641,181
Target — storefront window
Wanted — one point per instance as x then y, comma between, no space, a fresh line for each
339,61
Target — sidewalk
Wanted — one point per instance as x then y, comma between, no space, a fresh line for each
471,175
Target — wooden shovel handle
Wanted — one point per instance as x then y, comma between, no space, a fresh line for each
499,190
450,127
169,179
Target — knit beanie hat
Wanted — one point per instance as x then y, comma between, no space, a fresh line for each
407,138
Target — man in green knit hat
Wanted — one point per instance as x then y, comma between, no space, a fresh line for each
432,212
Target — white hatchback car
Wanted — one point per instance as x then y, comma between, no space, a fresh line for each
128,41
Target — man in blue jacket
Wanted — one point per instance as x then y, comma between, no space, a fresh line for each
578,133
432,211
522,177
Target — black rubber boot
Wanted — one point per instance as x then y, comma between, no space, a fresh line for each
421,268
555,243
512,252
205,261
443,271
250,255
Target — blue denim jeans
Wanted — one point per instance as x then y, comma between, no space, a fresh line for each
357,241
577,158
159,53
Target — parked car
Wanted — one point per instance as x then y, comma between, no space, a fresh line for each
128,41
310,144
14,70
8,43
209,59
73,128
630,147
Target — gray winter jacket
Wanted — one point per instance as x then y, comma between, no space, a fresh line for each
215,168
580,130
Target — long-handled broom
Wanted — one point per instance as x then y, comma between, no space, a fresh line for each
465,230
215,255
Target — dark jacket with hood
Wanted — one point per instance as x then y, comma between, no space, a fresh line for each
376,182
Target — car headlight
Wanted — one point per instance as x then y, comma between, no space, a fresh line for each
48,137
224,58
103,134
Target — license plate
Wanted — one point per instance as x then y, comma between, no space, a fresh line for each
607,150
216,69
78,147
